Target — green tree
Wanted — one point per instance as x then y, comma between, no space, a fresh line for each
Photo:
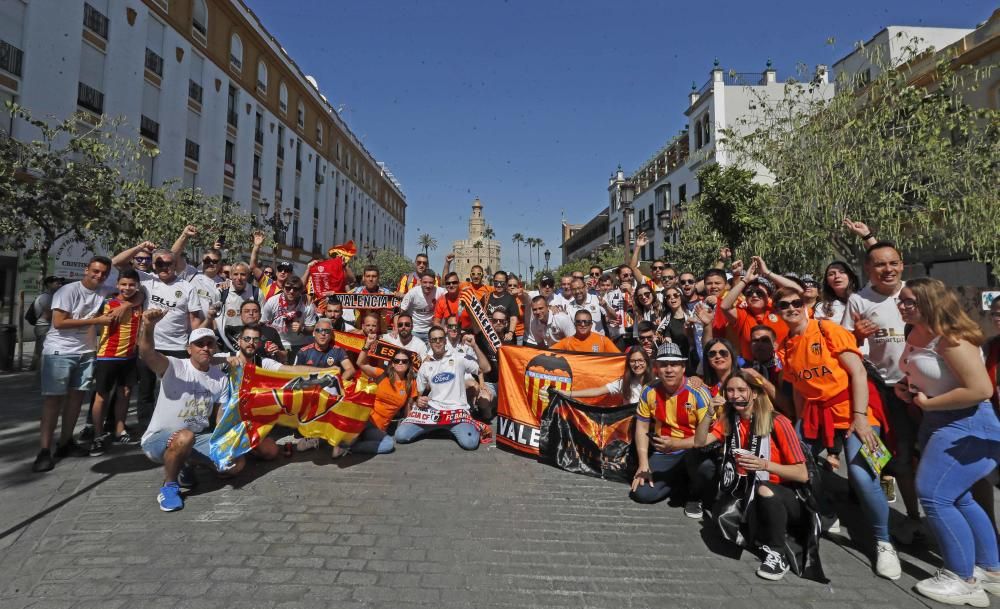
607,258
699,244
733,203
390,263
489,233
427,243
518,239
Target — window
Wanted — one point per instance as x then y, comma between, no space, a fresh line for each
11,58
230,167
95,21
195,76
231,106
301,114
261,77
199,19
283,98
707,129
236,52
258,130
682,194
319,133
281,141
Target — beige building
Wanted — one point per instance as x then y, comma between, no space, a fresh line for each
480,247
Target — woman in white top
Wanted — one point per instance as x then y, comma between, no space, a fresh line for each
638,374
946,378
839,282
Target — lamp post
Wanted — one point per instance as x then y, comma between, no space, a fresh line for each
278,225
626,193
531,272
548,255
663,218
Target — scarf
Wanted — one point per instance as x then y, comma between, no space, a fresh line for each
287,312
732,481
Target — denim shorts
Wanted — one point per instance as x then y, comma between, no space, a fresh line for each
64,373
156,445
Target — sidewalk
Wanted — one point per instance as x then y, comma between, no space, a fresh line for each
427,526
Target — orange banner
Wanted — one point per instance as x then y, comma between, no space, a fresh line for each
525,377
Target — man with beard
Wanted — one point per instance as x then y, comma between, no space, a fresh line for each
419,304
270,343
402,335
370,278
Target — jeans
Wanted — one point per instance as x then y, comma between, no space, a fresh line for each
465,434
63,373
962,447
776,514
866,484
694,466
373,441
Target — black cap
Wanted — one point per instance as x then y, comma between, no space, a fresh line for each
546,278
283,266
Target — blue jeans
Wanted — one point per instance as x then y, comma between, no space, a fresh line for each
962,447
465,434
866,484
373,441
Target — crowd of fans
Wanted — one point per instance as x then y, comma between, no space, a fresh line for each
748,383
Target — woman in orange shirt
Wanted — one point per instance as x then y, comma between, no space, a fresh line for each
824,366
397,388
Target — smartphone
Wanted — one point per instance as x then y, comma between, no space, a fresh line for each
221,240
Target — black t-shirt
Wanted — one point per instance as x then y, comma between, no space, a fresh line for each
505,303
494,358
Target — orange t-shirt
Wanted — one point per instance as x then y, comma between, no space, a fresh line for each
389,399
445,307
594,343
745,321
785,446
812,367
479,292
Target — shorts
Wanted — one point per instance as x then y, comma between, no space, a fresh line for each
64,373
156,445
111,373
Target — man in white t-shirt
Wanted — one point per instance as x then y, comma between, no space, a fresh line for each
402,335
441,380
68,358
546,289
231,298
873,315
206,281
584,301
547,327
191,392
419,303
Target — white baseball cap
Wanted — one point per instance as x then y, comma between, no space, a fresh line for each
199,334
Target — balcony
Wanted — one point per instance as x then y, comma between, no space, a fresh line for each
232,117
95,21
258,136
229,169
261,87
256,183
154,63
281,152
200,28
236,62
89,98
149,128
191,150
194,91
743,79
11,58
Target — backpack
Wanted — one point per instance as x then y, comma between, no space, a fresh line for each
30,315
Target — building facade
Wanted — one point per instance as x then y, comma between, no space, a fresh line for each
480,247
582,240
230,112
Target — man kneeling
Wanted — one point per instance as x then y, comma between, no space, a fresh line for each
442,379
191,391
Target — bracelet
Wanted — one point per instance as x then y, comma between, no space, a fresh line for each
868,236
865,413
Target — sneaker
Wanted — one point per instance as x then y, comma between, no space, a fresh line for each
303,444
834,527
886,561
773,567
888,484
70,449
908,530
692,509
44,461
124,439
86,434
170,497
339,452
989,581
946,587
186,477
97,447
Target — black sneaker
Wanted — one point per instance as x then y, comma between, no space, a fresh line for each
44,461
70,449
692,509
186,477
97,447
773,567
125,439
86,434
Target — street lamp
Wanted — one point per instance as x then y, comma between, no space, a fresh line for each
531,272
278,225
548,255
626,193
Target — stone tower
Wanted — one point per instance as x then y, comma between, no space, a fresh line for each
468,254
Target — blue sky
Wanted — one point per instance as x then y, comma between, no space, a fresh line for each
531,104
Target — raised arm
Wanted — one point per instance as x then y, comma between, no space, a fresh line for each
728,303
448,258
778,280
258,240
862,231
369,370
123,260
641,240
156,361
177,249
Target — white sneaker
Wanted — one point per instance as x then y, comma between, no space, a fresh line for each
303,444
886,561
909,529
989,581
946,587
834,528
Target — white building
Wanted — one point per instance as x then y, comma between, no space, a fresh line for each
230,112
891,47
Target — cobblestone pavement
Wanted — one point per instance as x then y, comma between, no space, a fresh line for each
428,526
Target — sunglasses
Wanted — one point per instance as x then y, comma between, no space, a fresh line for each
687,282
645,295
784,305
211,261
143,259
291,289
250,339
499,321
658,267
718,353
451,283
404,325
453,326
436,339
583,322
284,268
810,284
595,274
547,284
163,264
400,362
323,331
755,292
628,276
670,277
499,284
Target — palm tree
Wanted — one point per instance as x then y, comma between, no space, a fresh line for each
539,244
479,246
489,233
518,239
427,242
531,244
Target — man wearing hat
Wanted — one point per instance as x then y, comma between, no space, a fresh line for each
666,417
191,391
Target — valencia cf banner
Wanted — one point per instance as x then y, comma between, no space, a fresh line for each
318,405
590,440
526,374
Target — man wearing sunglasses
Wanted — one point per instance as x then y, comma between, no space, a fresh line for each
584,340
270,344
402,335
583,300
323,353
270,286
449,304
753,286
500,300
290,314
205,282
419,303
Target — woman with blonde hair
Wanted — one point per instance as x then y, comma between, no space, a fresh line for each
960,434
762,466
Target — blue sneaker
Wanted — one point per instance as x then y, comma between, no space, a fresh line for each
170,497
186,477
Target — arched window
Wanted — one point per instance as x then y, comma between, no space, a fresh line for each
707,129
283,97
199,19
262,76
301,114
697,135
236,52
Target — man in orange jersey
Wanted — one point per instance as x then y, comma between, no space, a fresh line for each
584,340
666,417
115,368
411,280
